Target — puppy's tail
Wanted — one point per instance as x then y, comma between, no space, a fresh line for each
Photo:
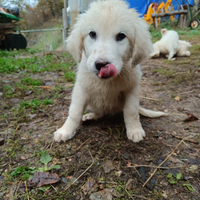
151,113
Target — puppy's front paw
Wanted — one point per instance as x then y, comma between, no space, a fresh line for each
136,135
62,134
88,116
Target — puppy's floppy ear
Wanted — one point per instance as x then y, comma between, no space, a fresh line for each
142,45
75,41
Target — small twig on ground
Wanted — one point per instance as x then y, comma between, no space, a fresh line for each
6,122
130,195
107,182
186,144
177,114
54,188
51,144
17,127
163,162
189,140
102,132
26,190
52,127
82,144
166,144
149,98
70,157
18,187
155,166
5,139
12,191
82,173
40,120
187,92
194,155
140,196
44,87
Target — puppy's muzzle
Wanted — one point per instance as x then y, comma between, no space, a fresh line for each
105,69
99,65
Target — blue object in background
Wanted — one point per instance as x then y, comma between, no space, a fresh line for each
141,6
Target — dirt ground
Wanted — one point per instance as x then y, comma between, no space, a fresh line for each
100,162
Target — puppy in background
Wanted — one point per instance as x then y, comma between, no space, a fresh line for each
183,48
168,45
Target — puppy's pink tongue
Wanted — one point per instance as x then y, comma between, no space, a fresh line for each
108,70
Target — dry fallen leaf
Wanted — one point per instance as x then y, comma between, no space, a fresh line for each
23,157
43,178
128,164
177,98
190,118
90,186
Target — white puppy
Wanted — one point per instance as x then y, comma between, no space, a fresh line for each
167,45
108,42
183,48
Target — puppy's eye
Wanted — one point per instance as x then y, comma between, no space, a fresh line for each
93,34
120,36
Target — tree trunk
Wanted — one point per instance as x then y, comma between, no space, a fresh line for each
44,16
52,11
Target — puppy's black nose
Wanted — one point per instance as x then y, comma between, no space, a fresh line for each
99,64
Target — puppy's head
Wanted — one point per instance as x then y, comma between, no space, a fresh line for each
110,36
163,31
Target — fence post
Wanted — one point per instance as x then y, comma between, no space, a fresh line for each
74,11
64,15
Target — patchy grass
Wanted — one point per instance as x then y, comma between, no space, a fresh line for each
12,65
34,64
186,77
197,63
16,53
195,49
8,91
168,72
183,62
70,76
35,103
30,81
